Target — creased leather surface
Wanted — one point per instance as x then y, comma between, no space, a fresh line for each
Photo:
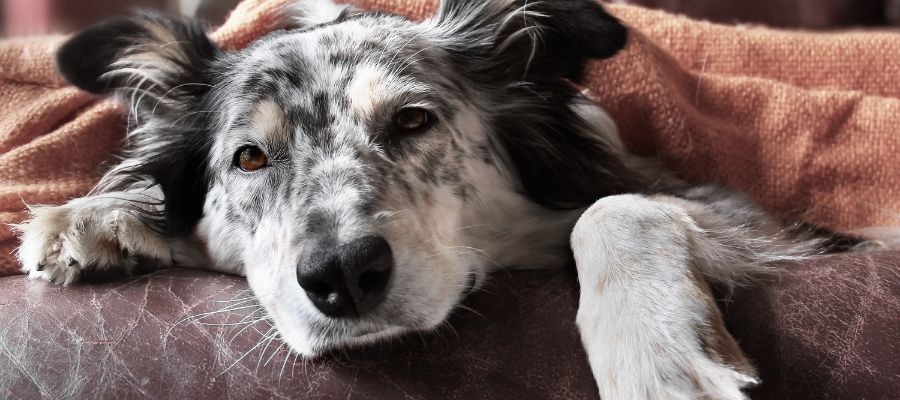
828,329
123,340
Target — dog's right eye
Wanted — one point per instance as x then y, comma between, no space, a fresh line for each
250,158
412,120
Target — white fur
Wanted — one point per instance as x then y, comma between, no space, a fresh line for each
639,307
96,231
312,12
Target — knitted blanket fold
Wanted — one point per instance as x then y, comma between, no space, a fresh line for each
805,123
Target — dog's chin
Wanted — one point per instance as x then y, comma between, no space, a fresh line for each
311,334
346,334
364,334
323,345
371,337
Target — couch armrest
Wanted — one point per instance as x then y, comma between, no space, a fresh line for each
827,329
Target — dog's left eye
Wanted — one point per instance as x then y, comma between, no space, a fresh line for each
250,158
412,120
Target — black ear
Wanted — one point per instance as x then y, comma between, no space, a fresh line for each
87,56
532,38
524,56
164,68
149,51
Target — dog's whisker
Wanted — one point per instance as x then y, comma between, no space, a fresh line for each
245,328
236,300
284,363
191,114
240,323
241,358
168,92
268,338
447,326
275,352
471,310
197,318
272,338
222,311
472,251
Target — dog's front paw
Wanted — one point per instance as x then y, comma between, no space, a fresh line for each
682,377
61,243
702,378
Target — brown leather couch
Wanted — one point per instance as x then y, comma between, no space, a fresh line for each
828,328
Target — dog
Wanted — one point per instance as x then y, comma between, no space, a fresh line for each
366,172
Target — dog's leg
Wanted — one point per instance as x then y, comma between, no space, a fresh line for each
101,231
647,318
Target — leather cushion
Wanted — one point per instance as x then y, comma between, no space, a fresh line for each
826,329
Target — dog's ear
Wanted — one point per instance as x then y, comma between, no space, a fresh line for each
530,38
164,57
163,67
526,54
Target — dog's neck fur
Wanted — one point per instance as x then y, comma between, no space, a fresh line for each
545,232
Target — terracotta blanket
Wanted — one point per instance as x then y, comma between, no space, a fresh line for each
807,124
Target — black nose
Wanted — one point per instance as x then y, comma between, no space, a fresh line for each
347,280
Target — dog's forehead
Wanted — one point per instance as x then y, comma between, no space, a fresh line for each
353,65
338,84
319,56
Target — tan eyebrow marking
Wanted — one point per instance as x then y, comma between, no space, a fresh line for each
268,119
367,89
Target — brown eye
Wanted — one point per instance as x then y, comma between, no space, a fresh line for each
412,119
251,158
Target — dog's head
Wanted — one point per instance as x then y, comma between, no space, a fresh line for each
364,169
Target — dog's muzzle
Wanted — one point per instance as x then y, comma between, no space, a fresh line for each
347,280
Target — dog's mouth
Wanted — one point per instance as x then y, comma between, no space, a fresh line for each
367,333
335,334
315,334
358,338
